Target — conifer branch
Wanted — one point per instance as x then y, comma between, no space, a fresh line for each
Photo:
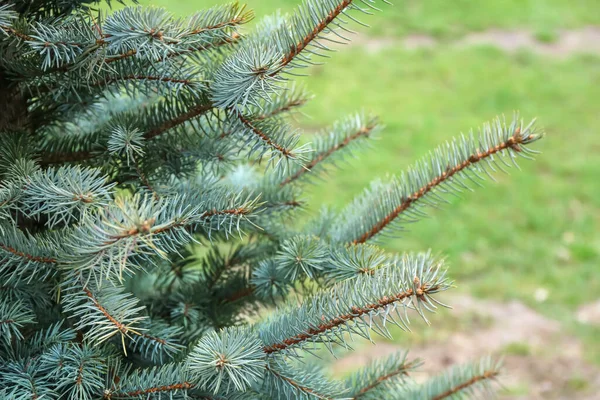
194,111
464,381
156,389
282,108
299,386
327,313
355,312
511,143
264,137
370,382
312,35
121,327
102,312
11,31
490,374
444,171
365,130
28,257
191,113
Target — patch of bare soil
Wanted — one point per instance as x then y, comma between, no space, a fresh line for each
568,42
589,313
540,360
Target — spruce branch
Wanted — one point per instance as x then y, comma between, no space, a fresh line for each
352,305
189,114
270,137
312,19
157,341
26,258
342,138
24,379
252,73
347,262
78,368
172,113
169,380
264,137
104,312
448,169
287,382
13,317
373,381
65,194
289,100
143,33
474,380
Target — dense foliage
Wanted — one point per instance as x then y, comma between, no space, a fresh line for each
150,183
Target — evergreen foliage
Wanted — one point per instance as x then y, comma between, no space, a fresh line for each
150,179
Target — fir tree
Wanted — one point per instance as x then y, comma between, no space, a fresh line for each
149,186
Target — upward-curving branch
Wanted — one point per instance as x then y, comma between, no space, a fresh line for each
448,169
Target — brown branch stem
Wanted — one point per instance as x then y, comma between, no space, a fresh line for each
355,312
263,136
365,131
512,143
30,257
298,385
403,370
302,44
486,375
157,389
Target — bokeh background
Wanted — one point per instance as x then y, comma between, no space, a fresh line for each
525,252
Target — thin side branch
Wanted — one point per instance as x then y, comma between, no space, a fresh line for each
403,370
298,386
284,108
30,257
180,119
513,143
365,131
355,312
157,389
320,27
120,326
263,137
490,374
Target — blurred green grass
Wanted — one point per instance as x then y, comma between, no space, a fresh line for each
537,229
439,17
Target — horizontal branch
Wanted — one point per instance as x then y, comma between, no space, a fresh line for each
156,389
363,132
228,40
30,257
354,313
264,137
147,226
180,119
402,370
48,158
284,108
298,385
320,27
489,374
11,31
512,143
